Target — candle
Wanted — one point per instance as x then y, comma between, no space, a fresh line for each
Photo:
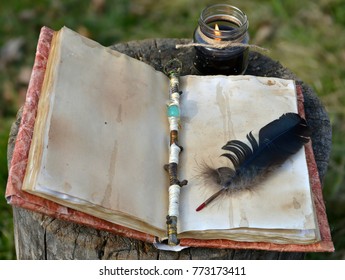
218,25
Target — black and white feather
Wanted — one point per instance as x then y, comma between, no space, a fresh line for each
277,141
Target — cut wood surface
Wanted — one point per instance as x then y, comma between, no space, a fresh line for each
41,237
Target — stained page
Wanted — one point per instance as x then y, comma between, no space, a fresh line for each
105,136
217,109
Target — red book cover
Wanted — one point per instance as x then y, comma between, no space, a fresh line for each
17,197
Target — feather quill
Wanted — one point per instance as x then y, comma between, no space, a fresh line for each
277,141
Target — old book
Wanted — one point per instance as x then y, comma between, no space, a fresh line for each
94,139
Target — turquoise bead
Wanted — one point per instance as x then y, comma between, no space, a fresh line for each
173,111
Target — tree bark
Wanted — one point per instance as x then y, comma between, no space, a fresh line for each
41,237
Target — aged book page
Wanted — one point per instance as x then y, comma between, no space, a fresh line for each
105,135
216,110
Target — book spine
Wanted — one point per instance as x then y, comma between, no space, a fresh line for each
173,113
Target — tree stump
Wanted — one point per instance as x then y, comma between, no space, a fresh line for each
41,237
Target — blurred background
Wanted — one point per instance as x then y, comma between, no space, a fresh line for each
308,37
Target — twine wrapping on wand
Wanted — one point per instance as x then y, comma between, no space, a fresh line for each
172,70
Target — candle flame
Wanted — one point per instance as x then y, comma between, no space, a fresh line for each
217,32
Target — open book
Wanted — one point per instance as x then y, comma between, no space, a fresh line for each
100,141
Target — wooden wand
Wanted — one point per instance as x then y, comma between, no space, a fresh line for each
172,69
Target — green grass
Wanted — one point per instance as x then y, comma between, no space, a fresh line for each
308,37
6,225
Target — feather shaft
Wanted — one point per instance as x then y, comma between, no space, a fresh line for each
210,199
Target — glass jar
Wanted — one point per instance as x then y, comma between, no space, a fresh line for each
219,24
